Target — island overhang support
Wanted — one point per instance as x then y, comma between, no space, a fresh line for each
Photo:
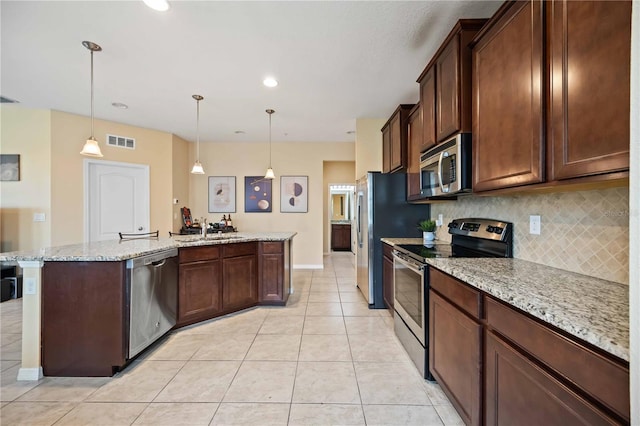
31,368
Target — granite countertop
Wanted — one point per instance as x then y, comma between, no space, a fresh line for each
117,250
394,241
591,309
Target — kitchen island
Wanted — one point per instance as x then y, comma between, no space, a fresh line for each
76,298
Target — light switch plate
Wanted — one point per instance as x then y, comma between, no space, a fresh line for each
39,217
30,285
534,224
439,220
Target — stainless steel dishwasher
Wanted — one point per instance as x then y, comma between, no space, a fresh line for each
152,288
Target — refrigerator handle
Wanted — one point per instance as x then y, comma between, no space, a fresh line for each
359,219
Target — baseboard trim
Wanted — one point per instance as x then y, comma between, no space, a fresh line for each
310,266
30,374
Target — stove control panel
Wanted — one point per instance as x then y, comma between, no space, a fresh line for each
489,229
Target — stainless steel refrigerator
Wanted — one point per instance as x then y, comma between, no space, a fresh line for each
382,212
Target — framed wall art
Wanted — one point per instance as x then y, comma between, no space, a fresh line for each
257,194
222,194
294,194
10,167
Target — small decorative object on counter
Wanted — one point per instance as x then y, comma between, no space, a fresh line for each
428,228
223,221
229,222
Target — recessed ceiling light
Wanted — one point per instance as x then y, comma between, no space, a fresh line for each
270,82
119,105
159,5
239,132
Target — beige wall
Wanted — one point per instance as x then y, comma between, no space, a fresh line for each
26,132
68,133
335,172
52,178
288,159
368,145
180,175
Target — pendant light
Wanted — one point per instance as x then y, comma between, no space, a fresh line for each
91,147
197,167
270,174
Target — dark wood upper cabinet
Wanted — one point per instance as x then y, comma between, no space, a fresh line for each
589,54
394,140
428,103
386,148
413,158
508,139
445,85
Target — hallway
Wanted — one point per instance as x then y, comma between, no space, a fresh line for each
323,359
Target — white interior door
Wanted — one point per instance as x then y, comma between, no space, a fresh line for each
116,199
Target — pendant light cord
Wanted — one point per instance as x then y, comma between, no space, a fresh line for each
270,140
92,95
197,130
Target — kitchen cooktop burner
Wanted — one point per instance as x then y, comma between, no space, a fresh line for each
471,237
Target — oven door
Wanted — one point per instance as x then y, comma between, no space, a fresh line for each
409,294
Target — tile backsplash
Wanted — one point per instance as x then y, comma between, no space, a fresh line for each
585,231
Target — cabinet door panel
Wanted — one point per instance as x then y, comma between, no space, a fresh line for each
455,357
397,145
428,101
447,89
199,291
386,149
240,285
272,274
413,153
519,392
507,103
590,82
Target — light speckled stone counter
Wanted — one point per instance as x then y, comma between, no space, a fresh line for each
591,309
394,241
117,250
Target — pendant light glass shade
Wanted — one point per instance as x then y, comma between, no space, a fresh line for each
270,174
91,147
197,166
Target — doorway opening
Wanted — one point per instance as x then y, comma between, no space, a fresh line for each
341,216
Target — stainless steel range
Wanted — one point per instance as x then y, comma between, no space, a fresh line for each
470,237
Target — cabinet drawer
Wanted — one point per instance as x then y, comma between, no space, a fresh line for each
606,380
238,249
465,297
196,254
272,247
387,250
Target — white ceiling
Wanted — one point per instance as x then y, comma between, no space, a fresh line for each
336,62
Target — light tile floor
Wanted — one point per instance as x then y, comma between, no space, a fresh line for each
323,359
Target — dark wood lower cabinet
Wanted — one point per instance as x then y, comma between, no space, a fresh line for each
387,275
275,273
200,291
239,282
519,392
455,341
83,318
529,372
340,237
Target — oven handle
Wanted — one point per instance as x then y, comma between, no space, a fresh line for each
414,266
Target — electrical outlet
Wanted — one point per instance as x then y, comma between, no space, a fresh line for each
439,220
30,285
39,217
534,224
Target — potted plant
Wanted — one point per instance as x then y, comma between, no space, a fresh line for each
428,228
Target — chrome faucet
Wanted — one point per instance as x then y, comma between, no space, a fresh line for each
204,227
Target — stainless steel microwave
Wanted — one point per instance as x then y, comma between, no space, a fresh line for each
445,169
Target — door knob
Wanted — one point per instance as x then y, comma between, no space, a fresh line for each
140,228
